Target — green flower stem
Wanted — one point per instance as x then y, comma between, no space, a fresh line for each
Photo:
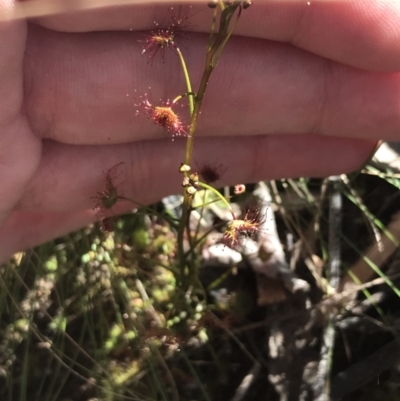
181,231
187,200
191,95
218,46
227,37
179,97
215,49
203,205
212,31
219,195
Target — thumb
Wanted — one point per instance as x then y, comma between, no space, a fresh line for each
19,147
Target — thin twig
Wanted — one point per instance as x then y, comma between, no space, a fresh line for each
247,382
322,382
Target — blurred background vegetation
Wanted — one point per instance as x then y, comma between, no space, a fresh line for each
100,315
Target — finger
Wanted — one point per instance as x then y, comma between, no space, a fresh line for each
360,33
19,149
24,229
82,89
70,177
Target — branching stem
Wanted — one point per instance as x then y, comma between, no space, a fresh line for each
217,43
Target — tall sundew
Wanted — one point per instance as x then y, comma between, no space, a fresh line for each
108,197
164,116
163,38
237,229
159,40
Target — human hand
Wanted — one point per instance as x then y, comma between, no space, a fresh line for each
305,90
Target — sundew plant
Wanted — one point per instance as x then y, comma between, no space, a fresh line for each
225,15
286,289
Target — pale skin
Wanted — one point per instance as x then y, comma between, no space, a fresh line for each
303,90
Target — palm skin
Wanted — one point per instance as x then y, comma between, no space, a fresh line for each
301,90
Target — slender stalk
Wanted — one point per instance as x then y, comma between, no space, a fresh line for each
201,214
323,383
212,31
220,196
221,39
187,200
210,64
225,41
187,80
190,95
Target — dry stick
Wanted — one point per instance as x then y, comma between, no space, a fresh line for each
232,335
376,253
247,382
336,299
291,225
363,208
322,382
366,370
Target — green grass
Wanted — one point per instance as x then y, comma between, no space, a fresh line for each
95,315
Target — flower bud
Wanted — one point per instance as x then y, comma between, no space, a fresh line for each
184,168
239,189
194,177
191,190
